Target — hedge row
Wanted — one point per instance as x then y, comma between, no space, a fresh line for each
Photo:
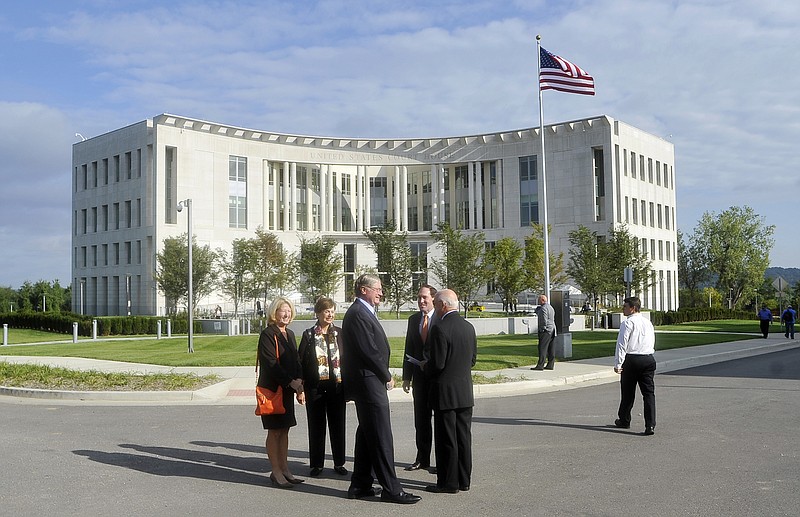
106,325
698,314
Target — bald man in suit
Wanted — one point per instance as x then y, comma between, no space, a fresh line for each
453,351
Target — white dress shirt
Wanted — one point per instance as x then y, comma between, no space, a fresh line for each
636,336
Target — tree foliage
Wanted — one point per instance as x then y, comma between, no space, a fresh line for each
533,263
504,265
622,250
737,243
236,278
319,267
461,267
273,267
692,270
395,263
172,271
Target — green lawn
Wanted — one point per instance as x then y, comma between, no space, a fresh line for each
494,352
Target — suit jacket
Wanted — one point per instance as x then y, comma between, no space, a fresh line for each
414,347
453,352
365,356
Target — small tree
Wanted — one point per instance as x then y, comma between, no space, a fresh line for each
395,263
461,267
236,279
504,265
621,250
533,263
319,267
588,264
172,270
273,266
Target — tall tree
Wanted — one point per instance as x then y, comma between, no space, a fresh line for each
395,263
737,244
319,267
236,278
273,270
461,267
588,264
504,265
172,270
533,263
692,269
621,250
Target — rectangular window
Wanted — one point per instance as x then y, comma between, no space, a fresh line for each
650,170
419,268
349,256
104,254
105,171
660,216
104,211
237,192
635,211
128,166
378,201
115,214
660,250
658,173
128,252
94,219
653,214
84,221
641,167
666,217
528,191
599,186
633,165
116,254
94,256
644,212
627,219
116,168
171,185
94,175
128,215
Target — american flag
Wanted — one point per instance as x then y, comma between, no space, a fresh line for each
559,74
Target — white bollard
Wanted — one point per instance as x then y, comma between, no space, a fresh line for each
5,334
94,329
169,328
74,331
158,328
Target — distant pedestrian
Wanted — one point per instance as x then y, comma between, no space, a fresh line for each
546,317
635,363
788,317
764,319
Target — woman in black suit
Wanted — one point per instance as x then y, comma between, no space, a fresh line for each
322,382
279,365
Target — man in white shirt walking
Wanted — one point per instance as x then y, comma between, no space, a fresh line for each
635,363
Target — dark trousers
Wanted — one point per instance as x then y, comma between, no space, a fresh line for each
422,420
374,450
764,327
326,411
638,369
546,348
790,329
453,435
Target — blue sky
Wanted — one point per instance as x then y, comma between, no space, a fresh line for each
719,78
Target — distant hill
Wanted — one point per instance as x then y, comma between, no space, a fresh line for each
790,274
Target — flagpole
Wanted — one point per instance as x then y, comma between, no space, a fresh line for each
544,173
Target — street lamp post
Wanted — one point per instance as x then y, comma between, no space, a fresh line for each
190,306
82,284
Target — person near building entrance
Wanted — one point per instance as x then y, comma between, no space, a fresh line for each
764,320
546,317
789,317
414,380
635,363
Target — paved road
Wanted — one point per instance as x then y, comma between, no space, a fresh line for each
725,444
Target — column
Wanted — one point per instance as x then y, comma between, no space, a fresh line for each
501,213
285,196
293,192
323,197
435,199
440,187
470,222
404,198
309,200
367,216
479,195
359,196
397,194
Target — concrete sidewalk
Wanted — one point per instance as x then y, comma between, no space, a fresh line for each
237,388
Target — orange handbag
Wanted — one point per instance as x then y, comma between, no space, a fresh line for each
270,402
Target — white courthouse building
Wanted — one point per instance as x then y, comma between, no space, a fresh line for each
127,184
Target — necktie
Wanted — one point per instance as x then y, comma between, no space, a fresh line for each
424,332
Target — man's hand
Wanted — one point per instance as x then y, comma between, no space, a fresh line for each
390,384
406,386
618,370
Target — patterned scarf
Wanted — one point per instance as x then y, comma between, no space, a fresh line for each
327,350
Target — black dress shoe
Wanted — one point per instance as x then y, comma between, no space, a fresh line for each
622,425
548,367
464,488
416,466
401,498
436,489
315,471
340,470
360,493
648,431
538,368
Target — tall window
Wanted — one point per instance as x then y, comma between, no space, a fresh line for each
378,201
419,268
599,186
528,191
237,192
349,262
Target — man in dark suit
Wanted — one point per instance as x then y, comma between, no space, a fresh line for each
419,325
453,350
366,379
